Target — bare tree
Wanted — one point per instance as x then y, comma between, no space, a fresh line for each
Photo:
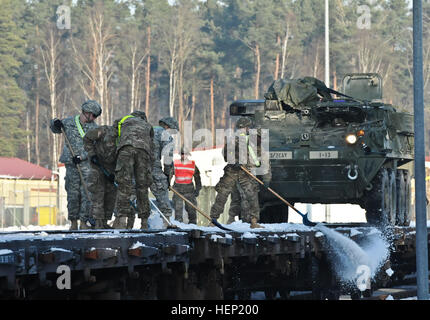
99,73
50,52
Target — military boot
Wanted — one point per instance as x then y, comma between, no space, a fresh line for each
83,226
144,224
120,223
130,222
106,225
74,224
254,223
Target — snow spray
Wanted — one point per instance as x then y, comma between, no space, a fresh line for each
350,260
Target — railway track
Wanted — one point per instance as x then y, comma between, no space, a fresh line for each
202,263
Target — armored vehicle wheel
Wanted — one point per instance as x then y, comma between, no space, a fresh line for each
274,214
401,198
381,201
408,210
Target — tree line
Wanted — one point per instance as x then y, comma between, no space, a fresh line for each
186,58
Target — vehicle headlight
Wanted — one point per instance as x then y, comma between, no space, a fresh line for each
351,138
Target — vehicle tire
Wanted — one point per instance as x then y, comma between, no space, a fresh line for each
392,198
380,201
408,203
401,198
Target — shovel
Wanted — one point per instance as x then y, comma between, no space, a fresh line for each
213,220
306,220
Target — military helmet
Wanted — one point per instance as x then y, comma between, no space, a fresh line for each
140,114
243,123
170,122
93,107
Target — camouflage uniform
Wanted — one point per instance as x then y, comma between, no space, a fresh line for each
134,159
235,204
78,205
190,192
100,143
235,181
163,141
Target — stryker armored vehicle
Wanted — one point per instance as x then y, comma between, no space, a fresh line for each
328,150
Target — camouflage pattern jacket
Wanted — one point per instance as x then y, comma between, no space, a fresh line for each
136,132
102,143
75,138
163,146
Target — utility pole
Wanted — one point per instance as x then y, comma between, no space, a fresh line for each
327,72
420,183
327,48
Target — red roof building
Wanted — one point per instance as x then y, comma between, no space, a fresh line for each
21,169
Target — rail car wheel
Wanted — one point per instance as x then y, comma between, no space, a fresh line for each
274,214
381,201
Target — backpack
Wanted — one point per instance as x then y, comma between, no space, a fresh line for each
298,92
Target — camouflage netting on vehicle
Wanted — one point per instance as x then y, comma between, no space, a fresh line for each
298,92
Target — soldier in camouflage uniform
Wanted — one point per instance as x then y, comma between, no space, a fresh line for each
185,171
100,143
163,142
235,179
78,204
134,160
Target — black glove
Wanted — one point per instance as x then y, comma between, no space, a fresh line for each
56,125
196,193
77,159
95,160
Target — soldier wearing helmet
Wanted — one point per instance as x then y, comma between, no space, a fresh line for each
162,173
75,127
244,189
134,163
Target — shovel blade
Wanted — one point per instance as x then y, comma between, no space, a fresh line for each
307,222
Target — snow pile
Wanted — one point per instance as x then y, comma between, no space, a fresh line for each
35,228
5,251
347,256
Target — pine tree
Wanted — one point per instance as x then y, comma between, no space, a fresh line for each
12,97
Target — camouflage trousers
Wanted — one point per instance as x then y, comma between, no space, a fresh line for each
235,204
160,190
188,191
249,206
132,162
78,204
102,193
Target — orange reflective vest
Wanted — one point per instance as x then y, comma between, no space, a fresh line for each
184,172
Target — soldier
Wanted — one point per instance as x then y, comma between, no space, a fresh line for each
78,204
101,148
134,160
235,178
163,143
185,171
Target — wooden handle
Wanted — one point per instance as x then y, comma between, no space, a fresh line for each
190,203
